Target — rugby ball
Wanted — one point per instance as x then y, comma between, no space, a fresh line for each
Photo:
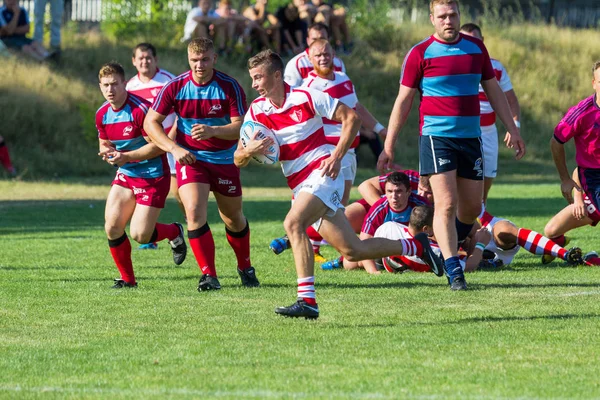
394,265
255,130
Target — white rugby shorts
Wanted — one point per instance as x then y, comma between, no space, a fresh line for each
489,139
171,161
348,170
329,191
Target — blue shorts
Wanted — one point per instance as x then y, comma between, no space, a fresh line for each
16,42
440,154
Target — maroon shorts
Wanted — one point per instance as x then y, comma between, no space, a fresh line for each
222,178
150,192
364,203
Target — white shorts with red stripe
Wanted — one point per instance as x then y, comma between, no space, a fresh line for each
328,190
489,139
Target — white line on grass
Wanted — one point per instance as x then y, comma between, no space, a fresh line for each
589,293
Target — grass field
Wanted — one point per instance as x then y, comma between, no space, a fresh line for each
528,331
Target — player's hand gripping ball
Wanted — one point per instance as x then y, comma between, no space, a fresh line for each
257,131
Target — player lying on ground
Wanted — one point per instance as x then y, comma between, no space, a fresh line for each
141,185
396,205
312,168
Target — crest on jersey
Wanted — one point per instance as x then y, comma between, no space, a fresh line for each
127,130
154,92
296,115
214,109
348,86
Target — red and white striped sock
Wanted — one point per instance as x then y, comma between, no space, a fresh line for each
538,244
306,290
411,247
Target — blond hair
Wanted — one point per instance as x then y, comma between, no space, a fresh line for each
434,3
111,68
200,45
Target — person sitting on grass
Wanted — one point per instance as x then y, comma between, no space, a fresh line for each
204,22
265,26
14,26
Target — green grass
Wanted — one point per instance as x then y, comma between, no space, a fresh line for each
529,331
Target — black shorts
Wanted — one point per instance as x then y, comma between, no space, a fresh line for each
590,184
440,154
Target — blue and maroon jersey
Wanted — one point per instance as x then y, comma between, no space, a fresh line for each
448,75
381,212
124,129
6,15
212,103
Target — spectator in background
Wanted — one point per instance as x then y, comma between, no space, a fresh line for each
265,25
56,12
14,25
5,158
292,29
335,19
237,26
306,11
204,22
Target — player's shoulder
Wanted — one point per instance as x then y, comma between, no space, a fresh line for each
472,40
164,75
580,109
138,102
227,81
258,104
103,108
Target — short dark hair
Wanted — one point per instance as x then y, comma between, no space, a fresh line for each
319,26
595,67
471,27
143,47
398,178
111,68
270,59
420,217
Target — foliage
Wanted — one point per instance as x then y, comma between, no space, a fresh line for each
65,334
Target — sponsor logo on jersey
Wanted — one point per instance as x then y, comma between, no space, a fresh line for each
443,161
224,182
453,49
214,109
296,115
127,130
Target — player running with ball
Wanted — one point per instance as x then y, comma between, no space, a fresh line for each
312,168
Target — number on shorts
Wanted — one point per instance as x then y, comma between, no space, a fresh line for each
183,173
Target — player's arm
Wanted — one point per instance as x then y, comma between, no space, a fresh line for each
242,155
515,107
480,240
369,121
398,118
560,161
105,147
228,132
579,208
350,126
145,152
154,129
500,105
370,190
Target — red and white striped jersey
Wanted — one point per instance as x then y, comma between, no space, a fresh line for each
488,116
298,128
297,68
340,88
150,89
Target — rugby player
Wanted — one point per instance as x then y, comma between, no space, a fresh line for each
146,84
141,184
312,167
446,69
209,106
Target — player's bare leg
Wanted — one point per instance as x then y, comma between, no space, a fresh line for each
175,191
470,193
237,230
563,222
445,193
120,205
305,210
487,185
355,213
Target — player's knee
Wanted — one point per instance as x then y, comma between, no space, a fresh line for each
140,236
551,229
112,230
293,225
352,253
